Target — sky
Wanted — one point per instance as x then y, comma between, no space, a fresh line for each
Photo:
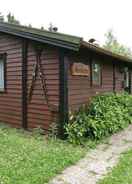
84,18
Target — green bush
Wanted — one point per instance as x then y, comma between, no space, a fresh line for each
105,115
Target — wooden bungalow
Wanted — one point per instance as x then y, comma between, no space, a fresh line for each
44,75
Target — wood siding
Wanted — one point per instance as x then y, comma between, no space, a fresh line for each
119,77
39,114
11,98
80,87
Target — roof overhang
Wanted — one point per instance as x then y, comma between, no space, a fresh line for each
57,39
103,51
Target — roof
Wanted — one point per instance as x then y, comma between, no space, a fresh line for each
101,50
57,39
44,36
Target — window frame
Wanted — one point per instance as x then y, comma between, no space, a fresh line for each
96,61
3,56
126,77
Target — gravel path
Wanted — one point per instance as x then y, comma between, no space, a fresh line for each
97,162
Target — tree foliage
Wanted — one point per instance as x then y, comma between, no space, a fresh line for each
113,45
11,19
1,18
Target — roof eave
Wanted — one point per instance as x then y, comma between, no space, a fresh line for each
42,39
59,42
100,50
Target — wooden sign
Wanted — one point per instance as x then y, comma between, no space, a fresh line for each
80,69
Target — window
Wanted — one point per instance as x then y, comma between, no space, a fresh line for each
2,72
126,77
96,73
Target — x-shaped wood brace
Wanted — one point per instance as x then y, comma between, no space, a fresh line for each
37,70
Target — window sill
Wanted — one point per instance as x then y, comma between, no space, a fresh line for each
2,90
97,85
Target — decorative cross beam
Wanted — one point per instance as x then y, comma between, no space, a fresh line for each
37,70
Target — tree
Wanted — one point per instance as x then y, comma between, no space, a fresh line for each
30,26
11,19
1,18
113,45
42,28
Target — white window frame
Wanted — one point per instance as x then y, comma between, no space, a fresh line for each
2,73
94,82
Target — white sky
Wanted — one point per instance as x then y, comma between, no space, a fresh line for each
85,18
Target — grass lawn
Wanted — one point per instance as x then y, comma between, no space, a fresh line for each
33,159
122,173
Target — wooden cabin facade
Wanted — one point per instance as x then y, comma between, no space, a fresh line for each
44,75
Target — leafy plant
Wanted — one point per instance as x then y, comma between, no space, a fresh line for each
106,114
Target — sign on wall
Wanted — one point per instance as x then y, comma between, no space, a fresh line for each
80,69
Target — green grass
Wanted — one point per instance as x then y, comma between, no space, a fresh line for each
122,173
27,158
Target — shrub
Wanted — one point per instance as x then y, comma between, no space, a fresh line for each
106,114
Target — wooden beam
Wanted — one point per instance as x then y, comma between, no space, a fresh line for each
63,102
114,77
24,83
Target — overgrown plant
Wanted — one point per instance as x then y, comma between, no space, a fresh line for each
106,114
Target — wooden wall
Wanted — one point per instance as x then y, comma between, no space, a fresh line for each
80,87
39,114
119,77
11,99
